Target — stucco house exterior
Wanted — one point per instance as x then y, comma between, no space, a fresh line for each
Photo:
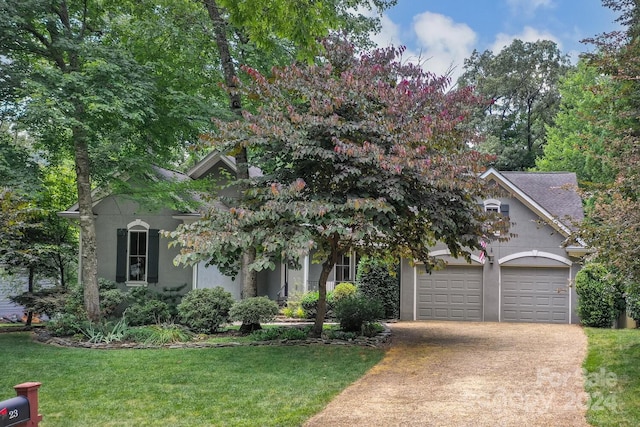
529,278
132,251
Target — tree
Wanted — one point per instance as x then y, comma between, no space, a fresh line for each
372,156
292,21
576,141
520,84
614,222
73,78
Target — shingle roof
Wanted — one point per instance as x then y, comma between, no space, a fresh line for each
554,191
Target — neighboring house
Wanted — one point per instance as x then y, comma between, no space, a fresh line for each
529,278
132,252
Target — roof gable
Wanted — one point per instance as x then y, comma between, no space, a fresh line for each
551,195
215,158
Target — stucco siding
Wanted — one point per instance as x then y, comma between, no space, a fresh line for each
116,212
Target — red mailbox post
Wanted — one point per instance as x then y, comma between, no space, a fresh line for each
22,410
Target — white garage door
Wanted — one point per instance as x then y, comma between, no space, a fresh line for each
537,295
454,293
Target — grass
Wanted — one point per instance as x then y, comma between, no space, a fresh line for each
613,377
238,386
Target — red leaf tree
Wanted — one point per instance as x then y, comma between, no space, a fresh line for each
358,153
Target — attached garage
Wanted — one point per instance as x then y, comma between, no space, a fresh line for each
454,293
530,294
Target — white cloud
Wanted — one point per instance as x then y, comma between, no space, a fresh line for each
528,7
444,43
389,33
528,34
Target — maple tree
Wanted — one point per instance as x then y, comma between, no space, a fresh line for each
358,153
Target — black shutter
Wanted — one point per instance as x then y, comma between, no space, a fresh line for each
154,254
504,210
121,256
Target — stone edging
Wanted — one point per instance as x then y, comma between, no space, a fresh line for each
380,340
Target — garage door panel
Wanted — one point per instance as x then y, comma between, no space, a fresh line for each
454,293
532,295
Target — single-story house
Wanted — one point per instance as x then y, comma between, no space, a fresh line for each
529,278
132,252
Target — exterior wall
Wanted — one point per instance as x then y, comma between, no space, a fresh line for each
535,244
210,277
116,212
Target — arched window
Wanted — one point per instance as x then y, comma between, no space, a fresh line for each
137,257
137,254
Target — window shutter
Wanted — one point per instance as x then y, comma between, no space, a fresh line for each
121,256
154,255
504,209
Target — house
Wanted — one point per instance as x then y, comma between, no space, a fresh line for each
132,252
529,278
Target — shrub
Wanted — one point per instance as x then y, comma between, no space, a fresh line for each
280,333
600,299
343,290
309,304
204,310
64,325
632,300
160,334
146,307
147,313
254,310
376,280
105,332
356,311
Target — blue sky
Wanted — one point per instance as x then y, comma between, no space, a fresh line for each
445,32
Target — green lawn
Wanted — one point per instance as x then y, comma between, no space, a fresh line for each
613,378
240,386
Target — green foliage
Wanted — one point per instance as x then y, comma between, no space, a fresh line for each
205,310
105,332
343,290
147,306
254,310
377,280
49,301
357,311
65,325
600,297
147,313
520,84
632,301
280,333
576,140
309,303
159,334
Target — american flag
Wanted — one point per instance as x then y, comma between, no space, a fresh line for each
483,251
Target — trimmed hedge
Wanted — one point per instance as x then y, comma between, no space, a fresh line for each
600,296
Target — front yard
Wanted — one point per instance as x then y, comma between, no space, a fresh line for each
238,386
613,377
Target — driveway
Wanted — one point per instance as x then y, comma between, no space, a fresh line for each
469,374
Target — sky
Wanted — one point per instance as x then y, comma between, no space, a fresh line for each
445,32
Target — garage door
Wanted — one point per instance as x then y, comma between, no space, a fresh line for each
454,293
537,295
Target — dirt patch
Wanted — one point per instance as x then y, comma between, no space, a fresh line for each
469,374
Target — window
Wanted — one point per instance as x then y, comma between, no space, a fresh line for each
137,264
492,205
137,254
343,269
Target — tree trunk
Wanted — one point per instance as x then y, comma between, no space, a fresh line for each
249,277
89,274
30,290
327,266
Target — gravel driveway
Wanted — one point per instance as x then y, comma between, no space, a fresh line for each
469,374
